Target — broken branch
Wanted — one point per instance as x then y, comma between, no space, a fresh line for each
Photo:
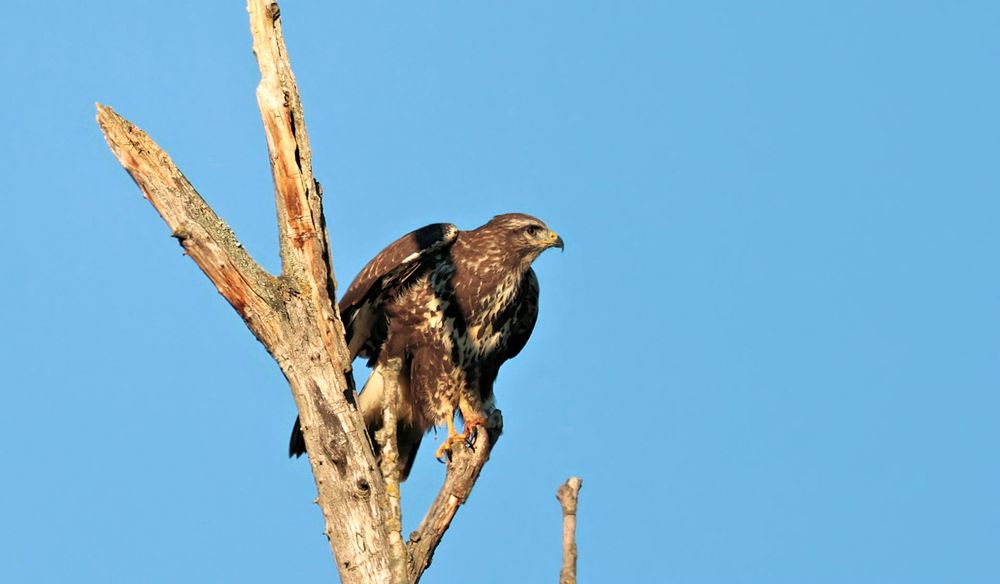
567,494
464,467
203,235
304,242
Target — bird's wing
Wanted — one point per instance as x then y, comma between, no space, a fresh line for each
385,275
525,315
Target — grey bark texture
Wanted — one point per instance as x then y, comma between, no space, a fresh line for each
294,315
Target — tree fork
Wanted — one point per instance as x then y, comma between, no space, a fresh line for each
293,315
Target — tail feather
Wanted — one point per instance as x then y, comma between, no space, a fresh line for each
297,443
407,442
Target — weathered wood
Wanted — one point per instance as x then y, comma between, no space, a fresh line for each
279,313
305,248
568,495
293,315
355,504
398,557
464,466
205,238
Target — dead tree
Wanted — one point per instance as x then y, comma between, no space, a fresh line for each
295,316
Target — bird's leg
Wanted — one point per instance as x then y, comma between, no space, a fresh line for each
453,437
473,417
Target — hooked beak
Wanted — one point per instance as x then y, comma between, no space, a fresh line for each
556,241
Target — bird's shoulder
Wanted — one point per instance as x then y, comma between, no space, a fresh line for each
399,261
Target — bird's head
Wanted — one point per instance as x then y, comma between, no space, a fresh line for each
522,235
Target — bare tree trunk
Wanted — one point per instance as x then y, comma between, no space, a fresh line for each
295,317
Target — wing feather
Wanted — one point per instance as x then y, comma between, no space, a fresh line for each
385,275
525,316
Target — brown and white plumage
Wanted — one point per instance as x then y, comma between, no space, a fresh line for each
453,306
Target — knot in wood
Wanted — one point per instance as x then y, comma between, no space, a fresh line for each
364,490
568,494
181,234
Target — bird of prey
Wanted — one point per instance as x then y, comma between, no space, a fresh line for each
452,306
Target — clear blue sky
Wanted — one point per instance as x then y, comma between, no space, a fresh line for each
771,348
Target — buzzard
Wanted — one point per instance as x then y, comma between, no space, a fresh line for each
452,306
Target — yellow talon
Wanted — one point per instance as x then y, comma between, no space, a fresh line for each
470,423
453,438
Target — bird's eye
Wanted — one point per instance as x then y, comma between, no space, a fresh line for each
533,230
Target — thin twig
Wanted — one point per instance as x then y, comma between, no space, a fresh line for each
464,467
567,494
